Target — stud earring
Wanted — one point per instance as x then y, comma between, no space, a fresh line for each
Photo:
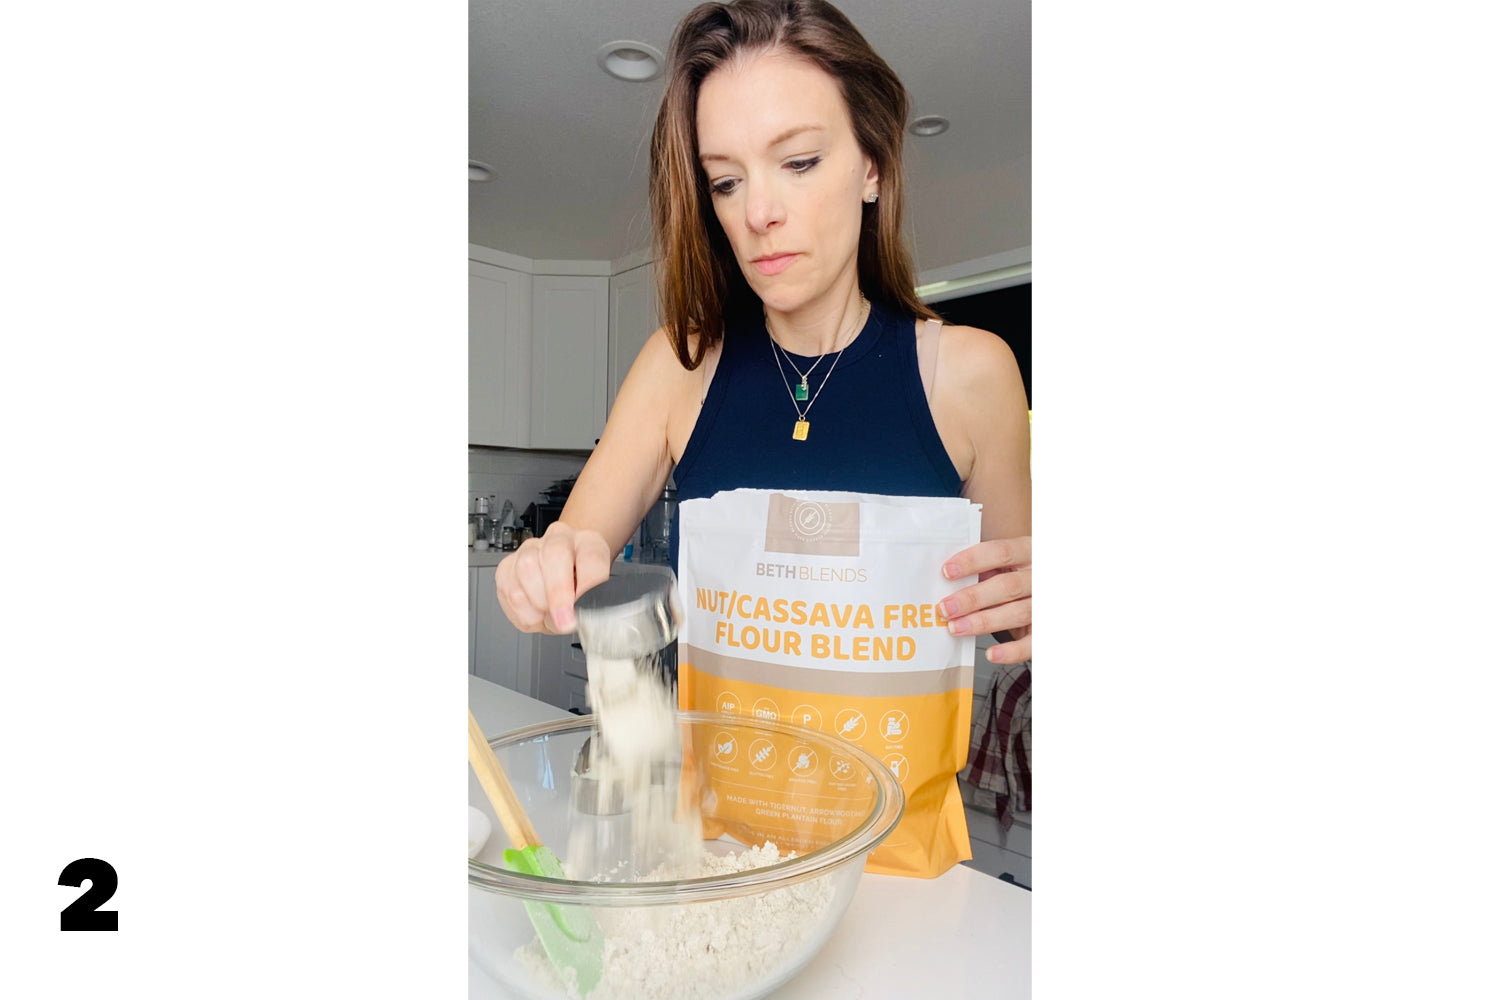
872,197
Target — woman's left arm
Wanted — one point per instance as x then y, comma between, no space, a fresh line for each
981,399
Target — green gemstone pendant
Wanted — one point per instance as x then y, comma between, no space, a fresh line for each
801,392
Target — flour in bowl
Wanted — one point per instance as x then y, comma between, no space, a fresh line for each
701,951
709,950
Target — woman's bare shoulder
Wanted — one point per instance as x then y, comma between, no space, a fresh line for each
659,384
660,353
658,375
979,359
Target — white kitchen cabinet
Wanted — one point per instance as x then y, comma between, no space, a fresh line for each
500,356
632,320
561,672
550,668
569,360
549,682
575,677
473,614
577,694
503,654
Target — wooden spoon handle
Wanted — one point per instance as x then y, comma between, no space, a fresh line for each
497,788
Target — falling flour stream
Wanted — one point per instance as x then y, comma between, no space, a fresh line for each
689,951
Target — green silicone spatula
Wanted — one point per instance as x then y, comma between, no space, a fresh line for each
569,934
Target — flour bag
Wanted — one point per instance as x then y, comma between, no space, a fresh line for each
821,609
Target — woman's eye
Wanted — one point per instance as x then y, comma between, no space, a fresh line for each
799,166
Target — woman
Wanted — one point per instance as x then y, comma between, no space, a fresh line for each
794,353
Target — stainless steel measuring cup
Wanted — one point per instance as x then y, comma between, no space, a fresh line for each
631,615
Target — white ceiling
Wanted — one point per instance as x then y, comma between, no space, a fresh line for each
570,145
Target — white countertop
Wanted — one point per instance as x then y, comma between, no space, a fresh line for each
962,934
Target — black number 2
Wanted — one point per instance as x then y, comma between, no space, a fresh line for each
83,914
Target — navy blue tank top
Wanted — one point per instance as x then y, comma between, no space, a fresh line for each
871,430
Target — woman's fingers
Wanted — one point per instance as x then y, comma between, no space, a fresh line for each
995,554
538,583
1013,615
522,592
557,560
992,589
1015,651
1000,601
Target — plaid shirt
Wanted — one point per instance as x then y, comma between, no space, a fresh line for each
1000,744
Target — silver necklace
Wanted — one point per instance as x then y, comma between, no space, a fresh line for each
799,394
802,426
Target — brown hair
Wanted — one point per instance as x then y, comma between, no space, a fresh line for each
699,282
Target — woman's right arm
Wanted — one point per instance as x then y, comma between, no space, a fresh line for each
537,584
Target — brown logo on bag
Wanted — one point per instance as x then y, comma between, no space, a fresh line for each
810,527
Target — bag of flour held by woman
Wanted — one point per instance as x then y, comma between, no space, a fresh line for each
822,609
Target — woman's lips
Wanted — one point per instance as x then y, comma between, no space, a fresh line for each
775,265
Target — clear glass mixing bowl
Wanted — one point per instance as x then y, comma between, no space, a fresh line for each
730,936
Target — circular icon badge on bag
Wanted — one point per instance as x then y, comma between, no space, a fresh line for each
850,724
762,755
809,519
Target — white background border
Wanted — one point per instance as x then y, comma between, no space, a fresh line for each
1265,504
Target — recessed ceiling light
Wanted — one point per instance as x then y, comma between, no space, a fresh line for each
479,173
929,125
633,61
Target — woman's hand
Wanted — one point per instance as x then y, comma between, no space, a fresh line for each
538,582
1000,600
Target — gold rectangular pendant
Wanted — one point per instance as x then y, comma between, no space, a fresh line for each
799,430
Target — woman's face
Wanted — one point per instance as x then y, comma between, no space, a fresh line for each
787,177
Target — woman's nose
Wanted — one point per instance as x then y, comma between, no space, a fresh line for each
763,207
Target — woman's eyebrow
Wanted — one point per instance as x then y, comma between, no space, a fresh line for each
795,130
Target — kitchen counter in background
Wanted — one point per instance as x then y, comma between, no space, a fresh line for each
489,557
963,933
